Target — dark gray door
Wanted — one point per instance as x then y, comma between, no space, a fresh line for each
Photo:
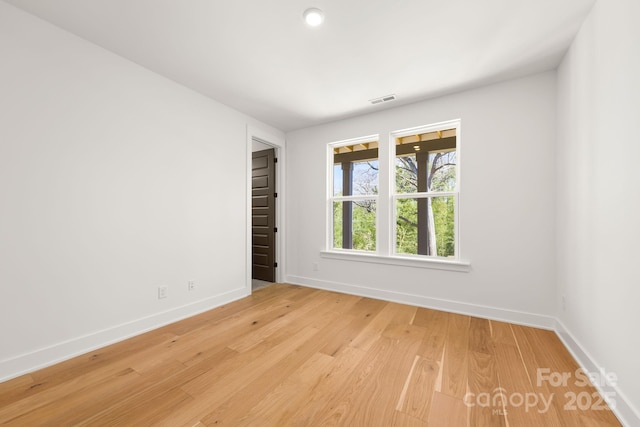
263,211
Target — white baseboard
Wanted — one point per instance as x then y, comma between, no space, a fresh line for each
29,362
511,316
624,409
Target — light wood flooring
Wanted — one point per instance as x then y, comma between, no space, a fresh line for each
293,356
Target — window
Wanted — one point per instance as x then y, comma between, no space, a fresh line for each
425,193
354,196
419,200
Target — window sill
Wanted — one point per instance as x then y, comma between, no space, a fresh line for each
404,261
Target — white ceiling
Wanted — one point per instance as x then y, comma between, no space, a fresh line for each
259,57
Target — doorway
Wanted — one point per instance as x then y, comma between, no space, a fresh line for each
263,215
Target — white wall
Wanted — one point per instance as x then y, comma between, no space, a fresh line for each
113,181
259,146
599,194
506,211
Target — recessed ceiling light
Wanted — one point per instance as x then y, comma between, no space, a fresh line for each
313,16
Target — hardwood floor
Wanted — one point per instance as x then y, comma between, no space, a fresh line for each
289,355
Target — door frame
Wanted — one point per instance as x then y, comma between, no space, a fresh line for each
278,143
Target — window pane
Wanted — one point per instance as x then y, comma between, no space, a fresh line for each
443,209
406,174
337,179
364,225
361,227
442,167
426,162
365,177
406,226
357,167
425,226
337,224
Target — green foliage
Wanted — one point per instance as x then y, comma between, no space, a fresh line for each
337,224
364,226
407,226
363,223
443,214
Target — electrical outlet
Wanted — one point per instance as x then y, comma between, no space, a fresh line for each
191,285
163,291
316,267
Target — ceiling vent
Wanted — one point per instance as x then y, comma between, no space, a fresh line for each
382,99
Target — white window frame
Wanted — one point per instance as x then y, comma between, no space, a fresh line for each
451,124
331,198
386,200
